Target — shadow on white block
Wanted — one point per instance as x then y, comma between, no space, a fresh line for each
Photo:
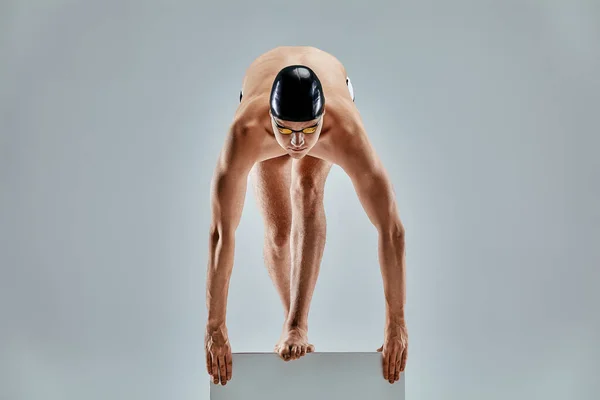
316,376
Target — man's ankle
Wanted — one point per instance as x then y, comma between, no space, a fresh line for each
296,325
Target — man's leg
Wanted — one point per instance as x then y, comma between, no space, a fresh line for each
272,180
307,245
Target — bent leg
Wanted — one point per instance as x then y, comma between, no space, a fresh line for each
272,180
307,245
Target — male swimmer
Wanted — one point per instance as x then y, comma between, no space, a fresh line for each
296,118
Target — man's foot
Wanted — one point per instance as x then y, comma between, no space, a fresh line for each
293,344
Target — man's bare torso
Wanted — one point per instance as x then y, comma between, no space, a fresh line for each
341,112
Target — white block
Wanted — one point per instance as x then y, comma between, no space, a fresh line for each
316,376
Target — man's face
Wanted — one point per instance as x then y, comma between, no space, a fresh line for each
297,138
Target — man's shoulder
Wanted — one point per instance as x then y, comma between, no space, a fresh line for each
252,115
345,121
347,136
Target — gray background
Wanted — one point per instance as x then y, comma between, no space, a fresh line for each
113,113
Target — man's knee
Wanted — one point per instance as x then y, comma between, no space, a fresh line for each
278,235
307,191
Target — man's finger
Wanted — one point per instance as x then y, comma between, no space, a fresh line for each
398,365
392,365
222,369
385,364
208,363
403,359
229,364
215,369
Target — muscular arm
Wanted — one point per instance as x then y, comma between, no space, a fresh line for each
376,194
228,191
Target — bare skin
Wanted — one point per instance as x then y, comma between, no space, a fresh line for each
288,175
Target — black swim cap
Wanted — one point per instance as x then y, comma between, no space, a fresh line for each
297,95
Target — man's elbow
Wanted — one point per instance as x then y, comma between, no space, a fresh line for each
220,232
391,228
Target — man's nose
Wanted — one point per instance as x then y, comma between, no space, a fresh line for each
298,139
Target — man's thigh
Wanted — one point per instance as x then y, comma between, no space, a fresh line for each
272,180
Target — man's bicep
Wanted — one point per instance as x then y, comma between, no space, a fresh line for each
372,184
229,182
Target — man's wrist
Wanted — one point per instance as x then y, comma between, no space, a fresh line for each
395,317
215,324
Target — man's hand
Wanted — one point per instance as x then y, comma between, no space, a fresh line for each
218,354
394,351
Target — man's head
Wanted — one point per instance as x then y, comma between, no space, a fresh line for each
297,109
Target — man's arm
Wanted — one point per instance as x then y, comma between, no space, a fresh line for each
376,194
228,192
378,199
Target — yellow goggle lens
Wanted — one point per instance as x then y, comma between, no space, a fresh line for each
286,131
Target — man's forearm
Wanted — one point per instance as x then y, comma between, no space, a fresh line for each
220,265
392,261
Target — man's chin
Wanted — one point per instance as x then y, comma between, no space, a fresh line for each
297,155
